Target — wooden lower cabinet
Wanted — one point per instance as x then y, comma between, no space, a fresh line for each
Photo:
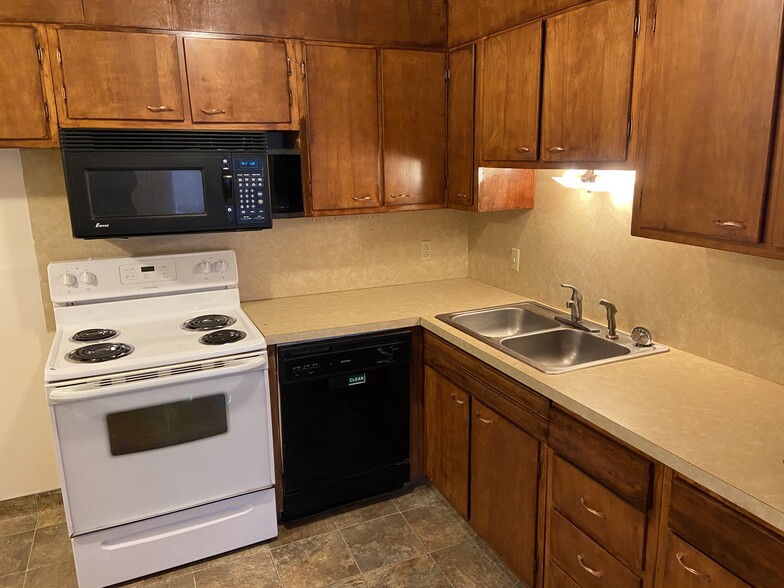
684,566
447,410
504,489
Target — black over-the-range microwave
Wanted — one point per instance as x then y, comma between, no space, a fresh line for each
122,183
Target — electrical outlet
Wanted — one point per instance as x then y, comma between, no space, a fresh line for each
514,260
425,250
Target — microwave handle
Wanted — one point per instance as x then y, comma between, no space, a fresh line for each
228,186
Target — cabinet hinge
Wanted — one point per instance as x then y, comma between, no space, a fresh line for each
538,470
302,68
447,74
653,29
629,127
291,98
310,188
65,96
46,109
59,57
288,65
40,53
637,25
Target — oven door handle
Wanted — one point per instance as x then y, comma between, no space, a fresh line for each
103,386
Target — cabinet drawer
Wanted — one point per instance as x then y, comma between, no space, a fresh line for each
557,578
620,469
584,559
746,548
613,522
686,567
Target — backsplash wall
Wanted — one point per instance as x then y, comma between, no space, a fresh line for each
719,305
298,256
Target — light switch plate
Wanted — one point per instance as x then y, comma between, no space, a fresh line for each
514,260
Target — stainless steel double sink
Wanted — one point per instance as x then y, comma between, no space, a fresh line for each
529,331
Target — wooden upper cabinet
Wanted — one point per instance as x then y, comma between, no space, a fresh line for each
237,81
414,113
460,121
711,68
120,75
504,489
511,73
152,14
587,82
23,101
343,127
42,10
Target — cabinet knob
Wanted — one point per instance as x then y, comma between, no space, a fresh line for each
213,111
523,150
556,149
729,224
701,575
161,108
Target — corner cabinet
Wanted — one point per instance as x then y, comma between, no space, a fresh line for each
25,95
708,126
376,128
476,415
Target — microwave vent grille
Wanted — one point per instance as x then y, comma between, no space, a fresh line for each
156,140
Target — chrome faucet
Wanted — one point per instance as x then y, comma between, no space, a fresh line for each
611,312
575,303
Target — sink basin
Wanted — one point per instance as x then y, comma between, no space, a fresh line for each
529,332
503,322
564,348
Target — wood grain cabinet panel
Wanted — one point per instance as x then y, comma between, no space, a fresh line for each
343,127
504,489
152,14
237,81
555,577
447,411
460,123
42,11
587,82
708,118
414,115
685,567
511,73
23,109
120,75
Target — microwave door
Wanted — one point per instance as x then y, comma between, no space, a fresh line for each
131,193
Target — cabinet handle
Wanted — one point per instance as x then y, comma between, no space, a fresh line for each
400,195
595,513
728,224
463,196
595,573
213,111
556,149
160,108
523,150
460,402
485,421
361,198
702,576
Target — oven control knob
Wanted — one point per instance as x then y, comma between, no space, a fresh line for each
68,280
220,266
88,278
205,267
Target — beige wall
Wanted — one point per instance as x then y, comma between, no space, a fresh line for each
27,459
723,306
298,256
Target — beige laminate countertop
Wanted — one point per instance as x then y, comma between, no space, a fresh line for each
717,425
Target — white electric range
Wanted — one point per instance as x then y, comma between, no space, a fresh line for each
158,390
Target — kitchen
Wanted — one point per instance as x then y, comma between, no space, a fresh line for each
718,305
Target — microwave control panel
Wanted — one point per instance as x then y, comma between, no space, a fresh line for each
251,203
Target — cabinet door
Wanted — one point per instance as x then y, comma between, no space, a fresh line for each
343,127
511,73
587,83
120,75
460,120
414,93
447,410
237,81
22,102
504,489
708,115
686,567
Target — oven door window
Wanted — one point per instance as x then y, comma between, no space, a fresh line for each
144,193
164,425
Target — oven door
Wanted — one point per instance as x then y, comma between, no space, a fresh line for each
147,446
118,194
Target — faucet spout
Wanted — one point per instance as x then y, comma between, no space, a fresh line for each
575,303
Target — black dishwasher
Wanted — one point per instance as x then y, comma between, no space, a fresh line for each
344,409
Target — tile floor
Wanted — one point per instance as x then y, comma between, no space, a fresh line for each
414,539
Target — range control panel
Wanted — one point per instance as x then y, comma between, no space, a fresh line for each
90,280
